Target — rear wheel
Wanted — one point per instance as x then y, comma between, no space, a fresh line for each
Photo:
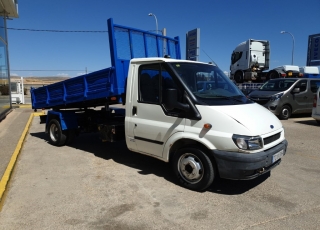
56,136
285,112
193,168
318,121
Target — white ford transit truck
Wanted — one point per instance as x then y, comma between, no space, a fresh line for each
205,131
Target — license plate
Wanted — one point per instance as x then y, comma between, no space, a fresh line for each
277,156
290,74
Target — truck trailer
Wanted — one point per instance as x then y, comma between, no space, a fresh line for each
205,131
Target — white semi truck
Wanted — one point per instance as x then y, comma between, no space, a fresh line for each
250,61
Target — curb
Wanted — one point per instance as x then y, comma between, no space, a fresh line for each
22,106
6,176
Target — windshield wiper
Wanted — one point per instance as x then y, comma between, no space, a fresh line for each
232,98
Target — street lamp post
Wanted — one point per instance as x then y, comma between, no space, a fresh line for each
151,14
283,32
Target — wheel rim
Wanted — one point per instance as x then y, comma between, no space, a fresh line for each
190,168
285,112
54,132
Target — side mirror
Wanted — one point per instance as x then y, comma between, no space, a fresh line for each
296,90
170,100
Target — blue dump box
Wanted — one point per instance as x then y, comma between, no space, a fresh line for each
93,89
106,86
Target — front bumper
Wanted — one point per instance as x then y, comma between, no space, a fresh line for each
242,166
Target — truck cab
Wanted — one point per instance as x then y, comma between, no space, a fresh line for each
203,131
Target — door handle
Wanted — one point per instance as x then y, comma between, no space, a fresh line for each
134,110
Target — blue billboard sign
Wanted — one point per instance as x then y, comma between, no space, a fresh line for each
313,56
193,45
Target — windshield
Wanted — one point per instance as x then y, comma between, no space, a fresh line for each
277,85
206,81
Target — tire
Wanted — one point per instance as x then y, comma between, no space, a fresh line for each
56,136
273,75
285,112
318,121
193,169
238,77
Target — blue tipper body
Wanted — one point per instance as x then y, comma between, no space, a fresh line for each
106,85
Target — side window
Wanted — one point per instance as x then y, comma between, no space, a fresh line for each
302,85
235,57
314,84
153,78
149,83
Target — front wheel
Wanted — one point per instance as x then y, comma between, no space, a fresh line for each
238,77
193,168
56,136
285,112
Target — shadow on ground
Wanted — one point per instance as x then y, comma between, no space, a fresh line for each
118,152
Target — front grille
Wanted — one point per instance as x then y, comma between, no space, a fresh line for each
272,138
259,100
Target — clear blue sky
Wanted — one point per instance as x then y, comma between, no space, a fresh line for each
223,25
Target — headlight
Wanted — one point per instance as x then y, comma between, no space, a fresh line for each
247,142
276,97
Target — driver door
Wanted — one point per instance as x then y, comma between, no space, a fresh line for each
151,123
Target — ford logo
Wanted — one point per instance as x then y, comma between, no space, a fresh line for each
271,126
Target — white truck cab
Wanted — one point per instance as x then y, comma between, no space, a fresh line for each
204,131
248,59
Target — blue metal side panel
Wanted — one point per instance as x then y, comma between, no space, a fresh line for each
95,85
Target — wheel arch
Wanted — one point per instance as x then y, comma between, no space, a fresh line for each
180,140
277,71
288,104
239,71
67,120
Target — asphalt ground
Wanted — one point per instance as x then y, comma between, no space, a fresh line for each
96,185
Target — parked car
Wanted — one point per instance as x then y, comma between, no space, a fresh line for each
316,107
286,96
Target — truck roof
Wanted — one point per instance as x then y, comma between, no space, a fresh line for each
309,69
157,59
288,67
